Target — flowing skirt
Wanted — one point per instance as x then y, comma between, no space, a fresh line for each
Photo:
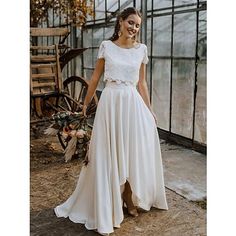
124,146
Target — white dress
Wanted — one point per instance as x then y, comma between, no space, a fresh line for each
124,146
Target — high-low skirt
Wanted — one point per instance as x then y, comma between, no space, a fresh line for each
124,146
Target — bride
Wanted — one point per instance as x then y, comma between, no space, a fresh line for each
125,163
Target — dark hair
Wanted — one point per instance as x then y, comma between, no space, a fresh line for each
123,15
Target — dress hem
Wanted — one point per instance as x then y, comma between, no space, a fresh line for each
84,222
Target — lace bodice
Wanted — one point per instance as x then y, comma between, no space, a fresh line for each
122,64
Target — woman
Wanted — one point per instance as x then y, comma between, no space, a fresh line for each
125,164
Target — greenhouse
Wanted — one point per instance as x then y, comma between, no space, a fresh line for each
175,33
65,39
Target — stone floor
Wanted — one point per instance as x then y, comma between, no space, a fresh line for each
184,171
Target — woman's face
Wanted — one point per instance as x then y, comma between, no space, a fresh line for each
130,26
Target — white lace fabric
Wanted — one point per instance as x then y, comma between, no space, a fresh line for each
120,62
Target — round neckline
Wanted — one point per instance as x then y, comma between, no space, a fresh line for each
122,47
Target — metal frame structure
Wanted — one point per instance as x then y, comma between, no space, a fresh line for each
149,14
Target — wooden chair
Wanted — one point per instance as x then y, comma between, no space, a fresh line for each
45,70
45,76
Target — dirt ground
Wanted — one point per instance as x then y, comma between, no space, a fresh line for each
52,181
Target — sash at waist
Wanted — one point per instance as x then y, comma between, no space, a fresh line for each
118,82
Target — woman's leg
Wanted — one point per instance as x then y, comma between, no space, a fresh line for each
127,198
127,191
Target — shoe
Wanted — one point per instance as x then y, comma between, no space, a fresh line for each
132,210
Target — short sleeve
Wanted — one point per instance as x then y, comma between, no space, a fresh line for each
145,56
101,51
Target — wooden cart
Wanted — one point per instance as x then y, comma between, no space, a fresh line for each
49,94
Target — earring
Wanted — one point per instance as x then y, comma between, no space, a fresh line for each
119,33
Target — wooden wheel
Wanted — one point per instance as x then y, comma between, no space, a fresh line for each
76,87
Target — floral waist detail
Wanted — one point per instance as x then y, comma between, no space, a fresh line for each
133,83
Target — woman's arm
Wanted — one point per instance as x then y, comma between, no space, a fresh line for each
99,69
143,88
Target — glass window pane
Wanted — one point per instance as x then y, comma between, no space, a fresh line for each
109,31
182,97
202,35
138,4
161,91
162,36
97,36
158,4
87,58
149,29
99,9
87,38
124,4
200,110
149,4
112,5
88,73
184,35
87,42
184,2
